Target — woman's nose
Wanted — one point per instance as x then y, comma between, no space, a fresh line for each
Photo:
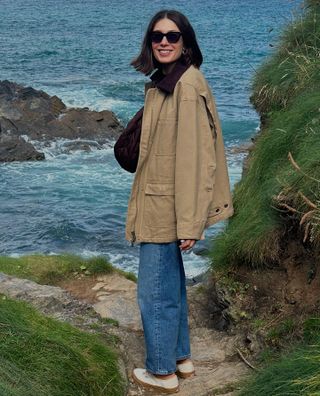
164,41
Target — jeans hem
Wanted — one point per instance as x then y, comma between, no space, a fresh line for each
160,372
184,357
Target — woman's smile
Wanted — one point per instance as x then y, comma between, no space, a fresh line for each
164,52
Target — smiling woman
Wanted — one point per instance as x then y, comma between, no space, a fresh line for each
169,37
181,187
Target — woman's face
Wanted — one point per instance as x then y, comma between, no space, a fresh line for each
165,52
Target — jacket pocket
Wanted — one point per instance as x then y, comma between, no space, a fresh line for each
166,136
159,209
159,189
160,169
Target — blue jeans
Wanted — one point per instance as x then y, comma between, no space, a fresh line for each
162,300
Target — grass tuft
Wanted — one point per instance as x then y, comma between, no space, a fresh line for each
294,372
40,356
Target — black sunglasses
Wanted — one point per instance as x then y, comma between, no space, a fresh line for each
172,37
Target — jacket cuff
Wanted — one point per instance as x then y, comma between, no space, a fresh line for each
190,230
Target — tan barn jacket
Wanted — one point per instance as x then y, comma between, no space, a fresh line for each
181,184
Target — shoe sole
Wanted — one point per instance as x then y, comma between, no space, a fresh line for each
154,387
185,375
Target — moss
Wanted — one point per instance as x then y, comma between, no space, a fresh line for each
111,321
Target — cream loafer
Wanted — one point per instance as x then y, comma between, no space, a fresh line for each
185,370
150,381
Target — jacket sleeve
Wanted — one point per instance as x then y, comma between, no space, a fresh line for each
195,165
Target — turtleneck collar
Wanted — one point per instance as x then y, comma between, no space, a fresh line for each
167,82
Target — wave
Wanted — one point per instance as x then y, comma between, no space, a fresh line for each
62,146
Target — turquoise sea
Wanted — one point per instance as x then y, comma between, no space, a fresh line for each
80,51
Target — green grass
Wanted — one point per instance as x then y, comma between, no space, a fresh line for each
278,193
52,269
283,334
42,357
292,373
294,67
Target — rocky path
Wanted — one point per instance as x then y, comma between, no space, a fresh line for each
218,367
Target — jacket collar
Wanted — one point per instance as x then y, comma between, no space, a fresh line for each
167,82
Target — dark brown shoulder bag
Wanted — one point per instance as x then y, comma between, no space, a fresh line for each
126,149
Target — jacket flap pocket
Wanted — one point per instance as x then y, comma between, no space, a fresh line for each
159,189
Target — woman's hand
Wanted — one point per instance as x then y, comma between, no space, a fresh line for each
187,244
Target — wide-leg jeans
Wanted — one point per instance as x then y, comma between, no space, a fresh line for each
162,300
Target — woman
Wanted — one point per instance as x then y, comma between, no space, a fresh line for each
181,186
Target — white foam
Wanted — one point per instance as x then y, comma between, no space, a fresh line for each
125,262
85,253
15,255
90,98
59,146
109,104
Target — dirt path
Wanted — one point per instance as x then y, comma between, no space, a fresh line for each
218,366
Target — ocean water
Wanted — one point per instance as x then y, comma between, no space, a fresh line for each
80,51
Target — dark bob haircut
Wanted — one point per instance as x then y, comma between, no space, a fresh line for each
145,61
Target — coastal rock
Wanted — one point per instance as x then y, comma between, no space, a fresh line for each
116,297
50,300
45,118
85,124
14,148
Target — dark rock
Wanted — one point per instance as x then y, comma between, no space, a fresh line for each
57,106
7,126
210,303
14,148
29,92
27,111
84,124
7,88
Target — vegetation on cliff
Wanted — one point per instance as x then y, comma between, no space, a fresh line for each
279,195
50,270
273,240
295,373
41,356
